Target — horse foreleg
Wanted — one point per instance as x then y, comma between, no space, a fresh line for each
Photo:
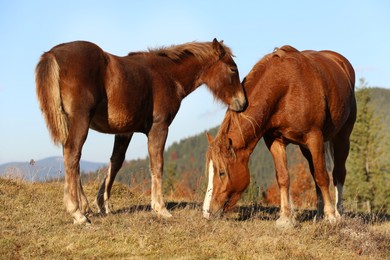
121,144
156,143
278,152
75,200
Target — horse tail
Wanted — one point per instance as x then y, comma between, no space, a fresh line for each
329,155
47,79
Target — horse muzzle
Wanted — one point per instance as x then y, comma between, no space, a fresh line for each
210,215
215,211
238,104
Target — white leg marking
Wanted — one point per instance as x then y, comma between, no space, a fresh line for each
338,198
209,192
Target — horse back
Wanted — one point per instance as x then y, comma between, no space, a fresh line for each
345,65
297,92
338,82
82,71
80,58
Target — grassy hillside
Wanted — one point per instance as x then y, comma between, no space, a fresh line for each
34,224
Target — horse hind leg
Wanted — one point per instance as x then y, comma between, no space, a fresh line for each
316,147
156,142
121,144
320,200
341,146
75,200
83,201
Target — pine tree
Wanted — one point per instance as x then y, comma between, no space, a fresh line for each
170,177
368,168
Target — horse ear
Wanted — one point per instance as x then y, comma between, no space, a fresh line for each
228,150
231,149
209,137
219,49
226,142
230,142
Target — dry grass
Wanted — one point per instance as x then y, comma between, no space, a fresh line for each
34,224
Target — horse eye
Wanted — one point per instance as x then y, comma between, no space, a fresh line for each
221,174
233,69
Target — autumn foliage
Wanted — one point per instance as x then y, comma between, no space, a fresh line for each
302,190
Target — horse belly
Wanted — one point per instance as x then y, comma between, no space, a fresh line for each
117,121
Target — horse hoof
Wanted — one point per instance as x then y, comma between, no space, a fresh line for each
164,213
331,219
338,215
284,222
81,221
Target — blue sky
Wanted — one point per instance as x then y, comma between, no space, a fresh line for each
360,30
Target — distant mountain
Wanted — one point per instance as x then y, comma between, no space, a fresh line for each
43,170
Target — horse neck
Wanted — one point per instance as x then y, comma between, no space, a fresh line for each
242,130
248,127
186,74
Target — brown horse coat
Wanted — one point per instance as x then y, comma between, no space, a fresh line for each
305,98
79,86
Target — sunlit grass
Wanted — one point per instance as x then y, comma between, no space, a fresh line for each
34,224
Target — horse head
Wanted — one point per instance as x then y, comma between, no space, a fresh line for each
228,176
222,78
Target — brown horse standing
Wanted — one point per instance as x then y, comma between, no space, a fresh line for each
305,98
79,86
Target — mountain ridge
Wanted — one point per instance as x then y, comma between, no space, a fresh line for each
45,169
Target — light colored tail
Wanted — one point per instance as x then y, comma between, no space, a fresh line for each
329,156
47,79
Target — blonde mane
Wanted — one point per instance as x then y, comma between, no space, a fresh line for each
216,150
203,51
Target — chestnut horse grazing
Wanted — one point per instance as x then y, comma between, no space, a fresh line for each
305,98
79,86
